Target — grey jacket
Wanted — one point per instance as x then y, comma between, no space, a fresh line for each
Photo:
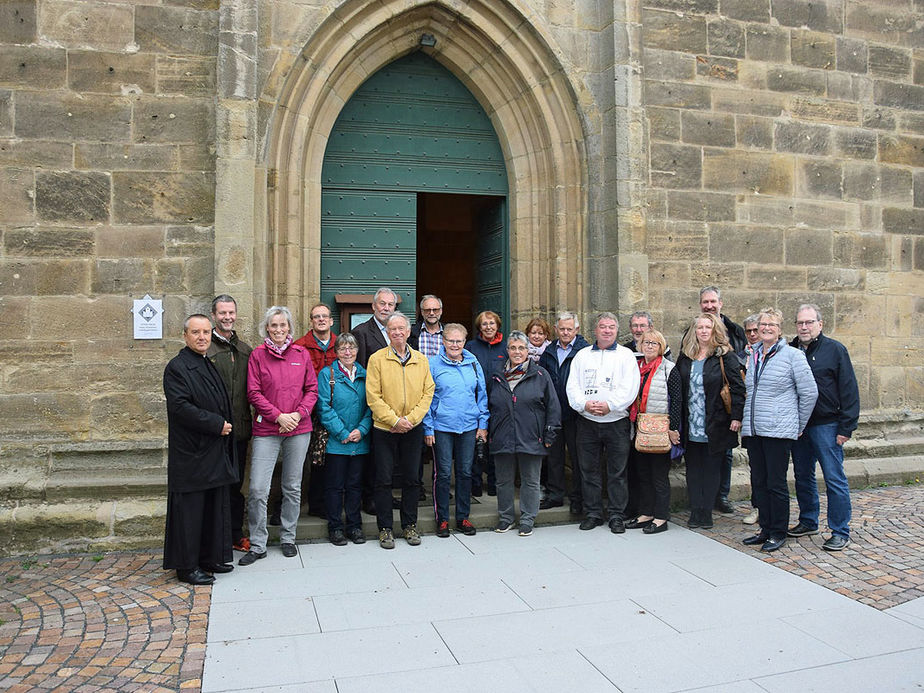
781,394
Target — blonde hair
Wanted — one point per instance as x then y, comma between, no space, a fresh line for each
718,341
655,336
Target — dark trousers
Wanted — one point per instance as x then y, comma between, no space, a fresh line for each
769,458
481,468
654,486
704,474
236,497
198,529
396,453
554,463
725,480
611,440
314,487
343,490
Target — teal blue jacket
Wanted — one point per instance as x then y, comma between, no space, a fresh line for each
349,410
460,401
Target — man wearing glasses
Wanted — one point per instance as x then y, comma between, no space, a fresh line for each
427,337
833,421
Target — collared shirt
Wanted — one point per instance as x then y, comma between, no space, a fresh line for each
429,344
563,351
381,328
402,359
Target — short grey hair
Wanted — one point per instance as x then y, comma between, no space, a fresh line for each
196,316
568,315
345,339
606,315
399,316
276,310
222,298
427,297
810,306
517,336
752,319
642,314
711,289
384,290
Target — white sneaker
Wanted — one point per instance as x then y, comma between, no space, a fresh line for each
751,517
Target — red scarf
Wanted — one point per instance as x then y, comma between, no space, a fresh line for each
641,403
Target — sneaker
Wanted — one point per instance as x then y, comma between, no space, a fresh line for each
411,535
386,538
525,530
801,530
356,536
442,529
466,527
503,526
836,543
242,544
751,517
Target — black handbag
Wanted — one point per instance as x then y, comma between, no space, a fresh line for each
317,448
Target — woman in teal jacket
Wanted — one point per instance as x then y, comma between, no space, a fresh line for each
345,414
457,416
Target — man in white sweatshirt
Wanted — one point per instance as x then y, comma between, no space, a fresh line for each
602,385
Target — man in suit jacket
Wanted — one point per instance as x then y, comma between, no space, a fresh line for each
200,461
370,335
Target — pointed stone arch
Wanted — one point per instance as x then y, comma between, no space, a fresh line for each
512,71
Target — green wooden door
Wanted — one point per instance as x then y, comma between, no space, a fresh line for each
491,264
411,127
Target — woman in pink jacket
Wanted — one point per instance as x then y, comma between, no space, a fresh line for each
282,387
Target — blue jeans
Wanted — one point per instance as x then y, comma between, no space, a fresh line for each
449,446
819,443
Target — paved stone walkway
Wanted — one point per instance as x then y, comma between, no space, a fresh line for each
118,622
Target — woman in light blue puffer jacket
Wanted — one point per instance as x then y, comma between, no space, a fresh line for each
781,394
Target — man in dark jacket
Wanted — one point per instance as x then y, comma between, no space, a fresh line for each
200,461
833,420
229,354
556,360
640,322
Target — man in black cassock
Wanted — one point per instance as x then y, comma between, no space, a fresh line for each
200,461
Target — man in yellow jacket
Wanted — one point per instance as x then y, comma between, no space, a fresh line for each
399,389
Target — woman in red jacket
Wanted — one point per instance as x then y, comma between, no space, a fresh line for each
283,388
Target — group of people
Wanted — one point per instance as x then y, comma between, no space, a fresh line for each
491,408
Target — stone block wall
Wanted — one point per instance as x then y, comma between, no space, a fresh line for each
786,165
107,147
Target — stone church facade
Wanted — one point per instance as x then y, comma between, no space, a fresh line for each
175,148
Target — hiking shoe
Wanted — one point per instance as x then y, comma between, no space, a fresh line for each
801,530
338,538
242,544
357,536
525,530
289,550
386,538
411,535
751,517
503,526
466,527
837,542
442,529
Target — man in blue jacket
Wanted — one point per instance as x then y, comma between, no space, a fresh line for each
833,421
556,360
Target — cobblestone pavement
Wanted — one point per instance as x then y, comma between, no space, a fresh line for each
119,623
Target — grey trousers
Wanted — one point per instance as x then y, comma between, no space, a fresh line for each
506,468
263,456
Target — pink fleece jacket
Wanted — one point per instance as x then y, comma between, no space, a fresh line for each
279,384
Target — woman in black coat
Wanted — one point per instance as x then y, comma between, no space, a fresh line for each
704,428
525,418
200,461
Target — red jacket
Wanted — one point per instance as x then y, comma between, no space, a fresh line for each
277,384
320,359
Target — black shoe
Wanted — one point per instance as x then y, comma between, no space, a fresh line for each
801,530
635,524
357,536
723,506
694,522
773,544
655,529
217,567
395,503
617,526
837,542
195,577
576,508
492,490
442,529
289,550
251,557
477,492
369,507
466,527
275,519
705,519
545,504
337,538
590,523
423,496
758,538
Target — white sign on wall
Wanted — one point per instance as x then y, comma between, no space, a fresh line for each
148,314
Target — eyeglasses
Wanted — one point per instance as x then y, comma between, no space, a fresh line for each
320,317
647,343
453,341
768,324
805,323
431,310
750,329
346,347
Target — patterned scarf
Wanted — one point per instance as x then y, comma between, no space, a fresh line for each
271,345
514,373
